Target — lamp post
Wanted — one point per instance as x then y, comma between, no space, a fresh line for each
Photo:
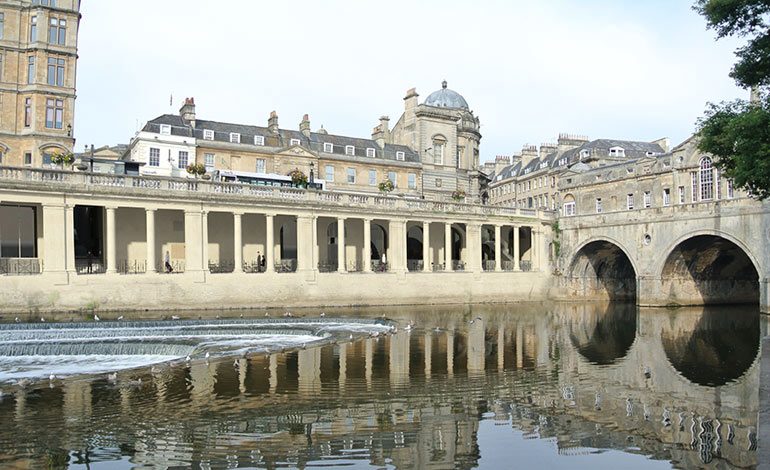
311,179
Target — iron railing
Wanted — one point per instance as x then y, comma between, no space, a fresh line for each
20,266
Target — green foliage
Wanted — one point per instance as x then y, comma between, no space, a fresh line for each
738,133
743,18
196,169
298,178
458,194
386,186
62,158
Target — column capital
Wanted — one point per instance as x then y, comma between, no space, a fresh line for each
111,207
151,209
238,213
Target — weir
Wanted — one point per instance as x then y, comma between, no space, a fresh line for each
29,350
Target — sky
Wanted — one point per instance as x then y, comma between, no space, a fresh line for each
621,69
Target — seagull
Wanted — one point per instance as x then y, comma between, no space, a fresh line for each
267,314
351,337
287,314
217,316
188,358
16,320
208,355
120,317
42,320
113,377
241,315
175,317
96,317
51,377
323,314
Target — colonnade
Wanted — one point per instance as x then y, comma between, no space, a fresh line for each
313,240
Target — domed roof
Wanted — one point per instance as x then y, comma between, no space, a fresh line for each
446,98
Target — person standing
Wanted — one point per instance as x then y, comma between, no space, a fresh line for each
167,263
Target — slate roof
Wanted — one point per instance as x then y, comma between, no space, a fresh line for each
282,139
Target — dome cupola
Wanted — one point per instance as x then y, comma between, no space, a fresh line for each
446,98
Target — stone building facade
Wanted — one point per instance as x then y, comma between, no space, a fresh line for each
431,152
682,176
531,179
38,62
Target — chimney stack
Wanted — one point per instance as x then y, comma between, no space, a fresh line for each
501,161
528,153
304,126
187,111
410,100
272,123
381,133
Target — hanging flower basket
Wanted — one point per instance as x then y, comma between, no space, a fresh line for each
458,195
196,169
62,158
298,177
386,186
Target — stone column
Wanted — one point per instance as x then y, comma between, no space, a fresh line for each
150,237
304,243
54,239
341,266
426,247
316,249
498,251
237,243
269,245
69,238
535,249
448,246
205,236
112,262
367,245
193,242
396,250
516,248
474,247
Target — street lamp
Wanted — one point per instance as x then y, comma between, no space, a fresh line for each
311,180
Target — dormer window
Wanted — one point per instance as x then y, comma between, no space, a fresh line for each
208,134
617,152
235,138
400,156
259,140
328,147
165,129
294,142
370,152
585,153
350,150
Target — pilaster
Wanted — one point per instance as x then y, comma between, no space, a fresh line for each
426,247
367,245
110,239
498,251
341,264
516,249
448,247
150,237
269,243
237,242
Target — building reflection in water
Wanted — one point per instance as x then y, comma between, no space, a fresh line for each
679,386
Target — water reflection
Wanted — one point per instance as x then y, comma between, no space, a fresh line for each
466,387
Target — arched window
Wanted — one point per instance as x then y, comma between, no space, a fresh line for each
706,179
569,205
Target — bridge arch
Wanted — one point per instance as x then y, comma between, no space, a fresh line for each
709,267
602,268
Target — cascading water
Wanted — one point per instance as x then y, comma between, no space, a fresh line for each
29,351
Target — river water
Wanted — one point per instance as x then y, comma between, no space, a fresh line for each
520,386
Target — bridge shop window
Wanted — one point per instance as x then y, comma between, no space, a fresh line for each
647,199
706,179
18,231
630,201
681,194
666,197
598,205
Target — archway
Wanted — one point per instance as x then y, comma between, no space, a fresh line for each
714,347
601,269
604,335
709,269
414,243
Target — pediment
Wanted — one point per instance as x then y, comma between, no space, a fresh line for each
296,151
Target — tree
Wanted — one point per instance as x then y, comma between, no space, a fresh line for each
738,132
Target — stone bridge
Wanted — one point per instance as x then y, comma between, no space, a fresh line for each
702,253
